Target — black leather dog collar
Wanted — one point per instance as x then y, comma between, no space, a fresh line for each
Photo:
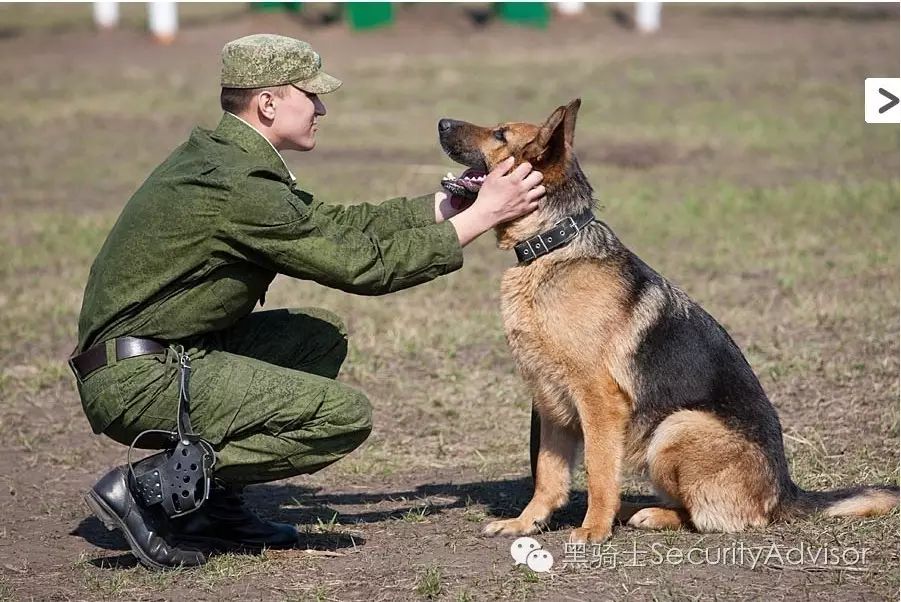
562,232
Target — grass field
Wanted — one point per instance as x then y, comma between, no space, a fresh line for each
729,152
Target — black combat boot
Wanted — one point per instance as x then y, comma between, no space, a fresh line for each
145,529
224,523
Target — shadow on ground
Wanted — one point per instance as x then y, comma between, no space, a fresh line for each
306,506
501,499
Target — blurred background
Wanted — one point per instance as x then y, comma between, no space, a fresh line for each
727,147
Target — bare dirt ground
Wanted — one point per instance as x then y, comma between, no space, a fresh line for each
729,151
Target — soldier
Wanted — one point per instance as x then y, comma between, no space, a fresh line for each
190,256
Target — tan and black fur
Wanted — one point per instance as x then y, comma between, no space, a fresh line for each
620,360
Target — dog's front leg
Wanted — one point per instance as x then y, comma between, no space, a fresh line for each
555,460
604,419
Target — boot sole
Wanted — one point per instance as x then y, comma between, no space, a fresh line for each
112,522
228,545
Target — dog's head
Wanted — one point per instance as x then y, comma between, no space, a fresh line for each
548,147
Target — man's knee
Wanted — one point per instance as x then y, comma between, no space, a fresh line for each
354,414
329,319
333,319
344,426
341,423
325,337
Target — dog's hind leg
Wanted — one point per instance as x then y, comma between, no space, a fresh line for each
651,512
653,518
720,477
556,455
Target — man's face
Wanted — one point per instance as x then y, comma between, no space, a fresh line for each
296,119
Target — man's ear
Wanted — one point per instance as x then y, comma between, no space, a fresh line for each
555,138
264,105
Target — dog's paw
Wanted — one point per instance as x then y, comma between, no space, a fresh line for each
510,526
590,535
656,518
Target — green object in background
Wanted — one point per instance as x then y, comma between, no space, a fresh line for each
276,7
532,14
368,15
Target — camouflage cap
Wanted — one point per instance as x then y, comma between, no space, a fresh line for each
266,59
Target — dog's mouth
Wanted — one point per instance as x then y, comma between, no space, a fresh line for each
466,185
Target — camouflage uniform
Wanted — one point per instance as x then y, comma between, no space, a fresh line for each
193,252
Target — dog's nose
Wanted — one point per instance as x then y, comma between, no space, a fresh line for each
445,124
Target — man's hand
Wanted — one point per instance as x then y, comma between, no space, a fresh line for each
504,196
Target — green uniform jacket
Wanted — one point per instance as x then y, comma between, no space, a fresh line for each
198,244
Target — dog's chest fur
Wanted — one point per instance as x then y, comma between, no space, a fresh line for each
553,318
522,322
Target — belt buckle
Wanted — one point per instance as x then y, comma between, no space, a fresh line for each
572,223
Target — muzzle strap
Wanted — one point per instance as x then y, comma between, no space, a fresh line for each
178,478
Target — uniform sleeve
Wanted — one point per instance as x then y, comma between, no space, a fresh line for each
273,226
384,219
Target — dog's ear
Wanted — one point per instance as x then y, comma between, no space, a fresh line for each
569,121
554,139
551,129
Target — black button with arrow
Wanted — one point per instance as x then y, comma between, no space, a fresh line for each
893,100
878,90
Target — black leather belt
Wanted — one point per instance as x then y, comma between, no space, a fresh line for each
95,358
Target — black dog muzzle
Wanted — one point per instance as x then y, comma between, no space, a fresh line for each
178,478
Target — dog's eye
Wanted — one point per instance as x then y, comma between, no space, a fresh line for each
499,134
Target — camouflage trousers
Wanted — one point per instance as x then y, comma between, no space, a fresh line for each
263,392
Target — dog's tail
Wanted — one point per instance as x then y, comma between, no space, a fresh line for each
866,500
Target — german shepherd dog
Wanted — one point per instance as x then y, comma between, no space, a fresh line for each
623,362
